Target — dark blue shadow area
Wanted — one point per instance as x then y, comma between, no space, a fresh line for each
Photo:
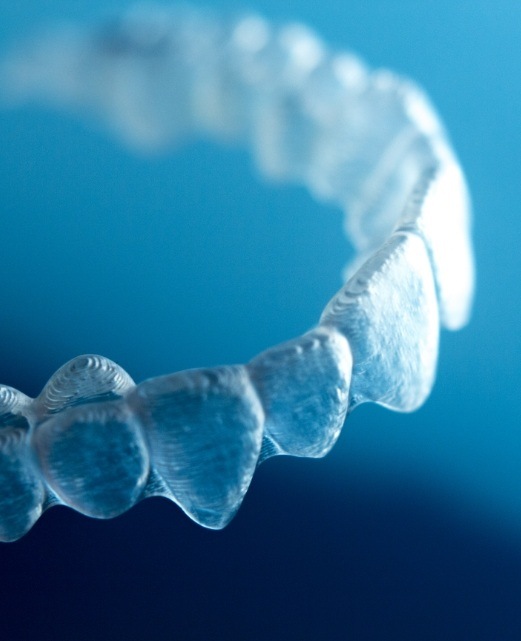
295,564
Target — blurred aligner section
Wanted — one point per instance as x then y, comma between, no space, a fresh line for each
366,140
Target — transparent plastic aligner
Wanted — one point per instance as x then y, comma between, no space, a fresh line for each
367,141
304,388
389,314
358,138
440,203
283,134
204,428
22,492
84,379
94,457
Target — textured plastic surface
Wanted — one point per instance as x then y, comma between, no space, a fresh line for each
93,458
84,379
304,387
389,314
368,141
205,431
22,491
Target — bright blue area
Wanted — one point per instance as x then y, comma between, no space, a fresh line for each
186,260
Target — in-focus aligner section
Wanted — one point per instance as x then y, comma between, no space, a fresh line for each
367,141
84,379
204,428
22,492
94,457
389,313
304,388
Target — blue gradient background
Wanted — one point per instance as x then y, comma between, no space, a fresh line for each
410,528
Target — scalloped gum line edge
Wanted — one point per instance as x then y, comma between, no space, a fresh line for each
95,441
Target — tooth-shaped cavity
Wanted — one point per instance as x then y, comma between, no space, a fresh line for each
304,388
21,492
440,211
94,457
389,313
204,428
84,379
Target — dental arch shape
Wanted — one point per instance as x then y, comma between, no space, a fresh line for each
368,141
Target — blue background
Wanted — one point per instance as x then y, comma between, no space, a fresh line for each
410,528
